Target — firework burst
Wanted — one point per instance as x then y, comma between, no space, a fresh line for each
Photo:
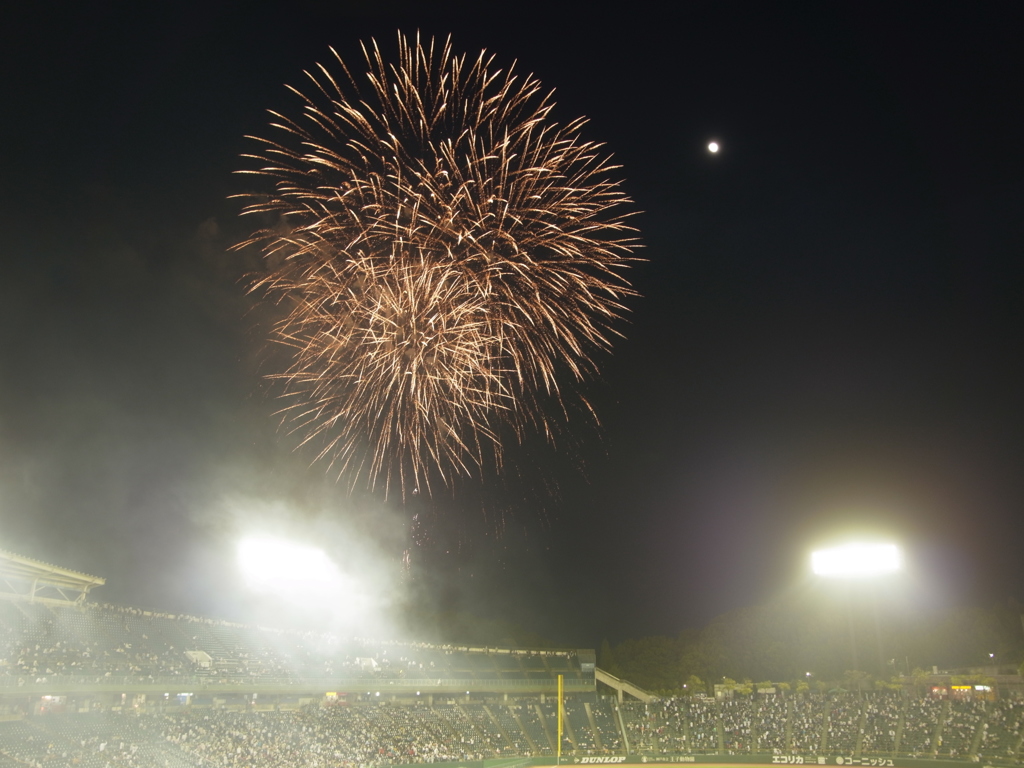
444,253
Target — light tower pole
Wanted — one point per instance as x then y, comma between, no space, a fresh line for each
853,563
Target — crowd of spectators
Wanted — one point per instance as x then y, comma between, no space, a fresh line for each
700,725
875,724
365,735
959,727
43,644
843,726
769,725
736,718
40,644
640,728
920,725
606,727
882,712
805,724
1001,732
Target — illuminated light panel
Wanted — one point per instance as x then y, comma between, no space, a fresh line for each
853,561
267,562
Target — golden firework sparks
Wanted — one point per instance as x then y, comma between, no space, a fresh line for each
446,253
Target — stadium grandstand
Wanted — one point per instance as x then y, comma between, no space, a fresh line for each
90,684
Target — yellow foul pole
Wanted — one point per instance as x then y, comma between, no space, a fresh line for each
561,714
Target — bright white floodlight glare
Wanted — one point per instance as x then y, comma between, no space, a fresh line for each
713,147
274,563
854,561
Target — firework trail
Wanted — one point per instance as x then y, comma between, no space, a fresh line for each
444,254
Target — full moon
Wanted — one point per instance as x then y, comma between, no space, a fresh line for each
713,147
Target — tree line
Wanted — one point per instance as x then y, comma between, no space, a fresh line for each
810,640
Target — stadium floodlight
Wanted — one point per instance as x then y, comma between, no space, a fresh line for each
269,563
300,580
856,560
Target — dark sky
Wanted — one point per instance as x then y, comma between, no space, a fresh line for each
829,336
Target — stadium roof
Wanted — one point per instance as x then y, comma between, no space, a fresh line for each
22,578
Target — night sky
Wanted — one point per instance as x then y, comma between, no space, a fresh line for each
828,339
